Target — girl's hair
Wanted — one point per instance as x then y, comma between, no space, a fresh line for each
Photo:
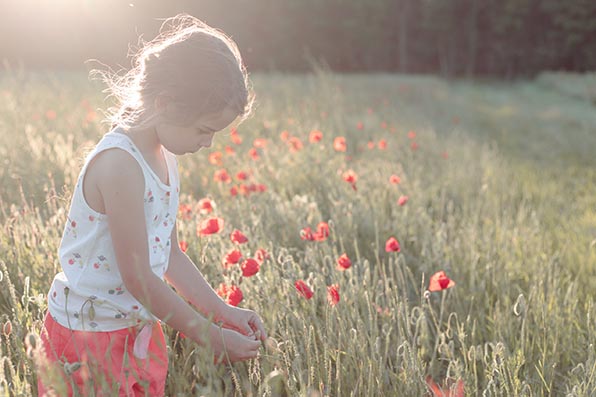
198,67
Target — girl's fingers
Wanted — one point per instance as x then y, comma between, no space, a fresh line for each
256,323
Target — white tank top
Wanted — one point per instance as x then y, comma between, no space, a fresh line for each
89,293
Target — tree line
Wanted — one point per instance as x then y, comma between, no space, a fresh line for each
453,38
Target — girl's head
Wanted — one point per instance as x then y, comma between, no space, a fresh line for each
190,70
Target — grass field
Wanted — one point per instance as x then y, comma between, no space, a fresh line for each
501,187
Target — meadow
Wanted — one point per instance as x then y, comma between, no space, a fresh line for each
492,183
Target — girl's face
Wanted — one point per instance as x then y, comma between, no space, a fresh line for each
182,140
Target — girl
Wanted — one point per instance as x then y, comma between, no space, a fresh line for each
119,243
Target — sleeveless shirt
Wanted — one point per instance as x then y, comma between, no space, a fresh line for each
89,293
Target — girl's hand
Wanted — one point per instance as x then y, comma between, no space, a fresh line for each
244,321
230,346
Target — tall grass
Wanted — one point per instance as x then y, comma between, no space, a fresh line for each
501,196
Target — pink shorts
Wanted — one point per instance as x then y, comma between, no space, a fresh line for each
109,366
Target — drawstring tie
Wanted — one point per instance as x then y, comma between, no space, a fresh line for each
141,346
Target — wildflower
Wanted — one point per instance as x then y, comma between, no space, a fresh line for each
455,390
414,146
295,144
233,191
249,267
205,206
238,237
306,234
392,245
253,153
235,137
261,255
411,134
343,262
394,179
260,143
7,328
402,200
222,175
382,144
215,158
445,155
384,125
339,144
303,289
210,226
439,281
183,245
232,257
333,294
351,177
186,211
231,294
242,175
371,145
315,136
360,125
51,115
284,135
322,232
229,150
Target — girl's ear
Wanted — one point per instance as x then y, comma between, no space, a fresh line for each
162,102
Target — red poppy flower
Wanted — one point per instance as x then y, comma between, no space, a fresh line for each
360,125
295,144
231,294
51,115
411,135
455,390
322,232
394,179
382,144
402,200
210,226
215,158
351,177
306,234
253,153
233,191
284,135
249,267
185,211
222,175
229,150
439,281
232,257
315,136
205,206
261,255
371,145
414,146
445,155
260,143
238,237
303,289
235,137
339,144
333,294
384,125
243,189
261,188
392,245
242,175
343,262
183,245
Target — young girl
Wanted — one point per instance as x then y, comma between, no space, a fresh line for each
102,328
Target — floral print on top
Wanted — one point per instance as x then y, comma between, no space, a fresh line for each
89,293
